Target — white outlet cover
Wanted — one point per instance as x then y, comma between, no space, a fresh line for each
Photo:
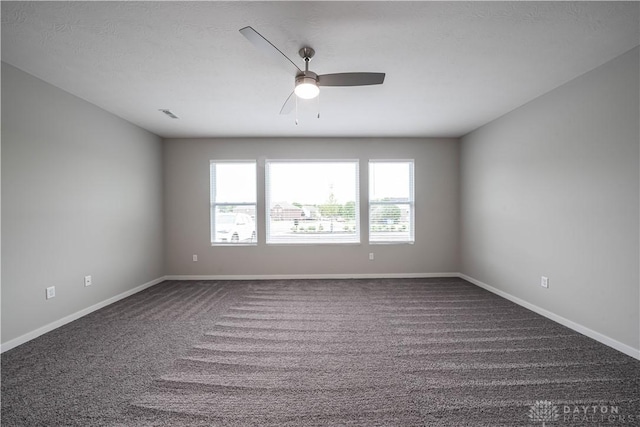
51,292
544,282
87,280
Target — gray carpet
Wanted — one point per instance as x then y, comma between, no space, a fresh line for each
410,352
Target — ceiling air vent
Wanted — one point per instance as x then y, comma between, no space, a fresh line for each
168,113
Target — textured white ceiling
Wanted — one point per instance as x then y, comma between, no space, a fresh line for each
451,66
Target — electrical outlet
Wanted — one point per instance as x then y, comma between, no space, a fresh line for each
544,282
370,256
195,258
87,280
51,292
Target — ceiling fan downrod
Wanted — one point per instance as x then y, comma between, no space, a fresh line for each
306,53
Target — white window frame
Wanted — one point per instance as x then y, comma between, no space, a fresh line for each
354,239
410,203
214,204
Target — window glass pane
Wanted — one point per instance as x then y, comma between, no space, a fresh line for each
391,203
312,202
234,224
234,182
389,181
233,202
390,223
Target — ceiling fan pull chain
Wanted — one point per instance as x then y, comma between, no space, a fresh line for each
318,104
296,111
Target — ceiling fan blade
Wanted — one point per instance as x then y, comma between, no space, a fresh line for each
288,105
351,79
269,49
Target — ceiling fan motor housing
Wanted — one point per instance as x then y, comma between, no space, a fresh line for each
307,77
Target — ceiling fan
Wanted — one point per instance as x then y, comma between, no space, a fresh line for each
307,83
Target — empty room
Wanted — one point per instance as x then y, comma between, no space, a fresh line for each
320,213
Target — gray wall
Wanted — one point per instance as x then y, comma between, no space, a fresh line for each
82,195
552,189
187,209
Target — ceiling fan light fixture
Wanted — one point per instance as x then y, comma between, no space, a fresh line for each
306,87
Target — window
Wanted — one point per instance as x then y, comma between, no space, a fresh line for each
312,202
391,204
233,202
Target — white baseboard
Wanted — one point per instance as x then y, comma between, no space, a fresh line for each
608,341
313,276
626,349
70,318
75,316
